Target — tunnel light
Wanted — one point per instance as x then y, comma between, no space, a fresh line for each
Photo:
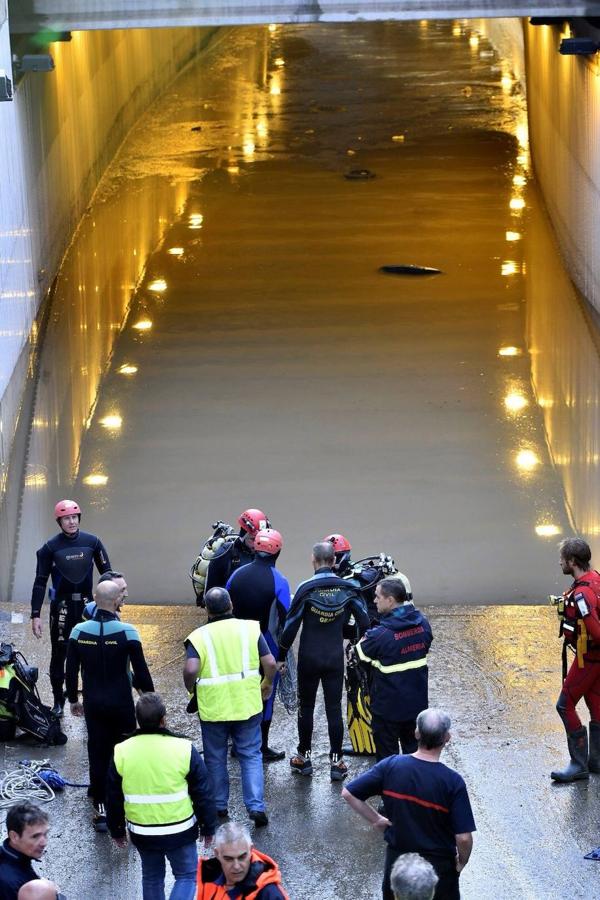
112,423
175,251
143,325
195,221
574,46
279,62
515,402
509,351
456,31
96,480
272,28
513,235
516,203
474,41
506,83
510,267
547,530
519,181
127,369
158,286
36,479
527,460
248,148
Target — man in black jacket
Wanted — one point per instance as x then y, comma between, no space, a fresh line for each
158,782
396,651
323,606
27,827
104,648
68,560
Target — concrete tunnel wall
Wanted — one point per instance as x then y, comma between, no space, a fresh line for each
57,137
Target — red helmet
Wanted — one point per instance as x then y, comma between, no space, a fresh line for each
268,541
66,508
253,520
340,543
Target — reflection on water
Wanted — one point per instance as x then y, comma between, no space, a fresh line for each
565,365
265,361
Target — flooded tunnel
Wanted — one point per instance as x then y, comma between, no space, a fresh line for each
220,335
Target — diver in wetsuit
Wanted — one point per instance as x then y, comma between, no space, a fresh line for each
322,605
68,559
235,554
258,591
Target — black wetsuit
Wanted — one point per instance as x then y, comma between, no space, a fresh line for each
231,556
69,562
322,605
103,648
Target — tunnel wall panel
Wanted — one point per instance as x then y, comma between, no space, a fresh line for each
564,124
57,137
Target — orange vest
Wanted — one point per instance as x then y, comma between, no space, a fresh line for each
210,891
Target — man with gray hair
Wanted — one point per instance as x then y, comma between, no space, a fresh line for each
426,804
413,878
238,869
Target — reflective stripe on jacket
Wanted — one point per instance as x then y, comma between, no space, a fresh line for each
228,684
153,769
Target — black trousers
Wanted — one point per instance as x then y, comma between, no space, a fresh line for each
445,868
105,727
387,733
64,615
310,675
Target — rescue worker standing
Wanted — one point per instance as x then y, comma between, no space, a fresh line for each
225,657
234,554
103,648
322,606
68,559
258,591
158,782
396,651
580,629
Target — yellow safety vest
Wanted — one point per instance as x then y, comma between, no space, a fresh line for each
153,769
228,683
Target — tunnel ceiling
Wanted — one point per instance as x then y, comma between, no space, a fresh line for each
74,15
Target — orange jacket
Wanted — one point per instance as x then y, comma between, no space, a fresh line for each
263,871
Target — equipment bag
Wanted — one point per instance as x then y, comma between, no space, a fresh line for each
222,534
23,701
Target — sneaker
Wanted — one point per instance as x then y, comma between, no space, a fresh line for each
99,820
269,755
259,817
58,710
302,764
339,769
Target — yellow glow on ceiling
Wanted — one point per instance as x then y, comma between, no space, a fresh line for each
547,530
515,402
112,422
96,480
127,369
158,286
527,460
513,235
398,138
509,351
517,203
143,325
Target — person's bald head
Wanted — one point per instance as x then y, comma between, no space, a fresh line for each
40,889
107,596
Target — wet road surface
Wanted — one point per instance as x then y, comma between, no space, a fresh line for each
266,361
496,669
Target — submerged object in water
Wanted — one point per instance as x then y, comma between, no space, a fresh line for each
359,175
409,270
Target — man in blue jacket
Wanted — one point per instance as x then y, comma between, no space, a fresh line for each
396,650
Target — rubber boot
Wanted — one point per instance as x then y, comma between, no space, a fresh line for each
577,768
594,757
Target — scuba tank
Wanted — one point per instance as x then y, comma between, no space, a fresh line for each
222,533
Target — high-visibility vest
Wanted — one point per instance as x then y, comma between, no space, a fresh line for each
228,683
153,769
7,673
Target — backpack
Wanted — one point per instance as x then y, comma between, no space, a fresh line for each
222,534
